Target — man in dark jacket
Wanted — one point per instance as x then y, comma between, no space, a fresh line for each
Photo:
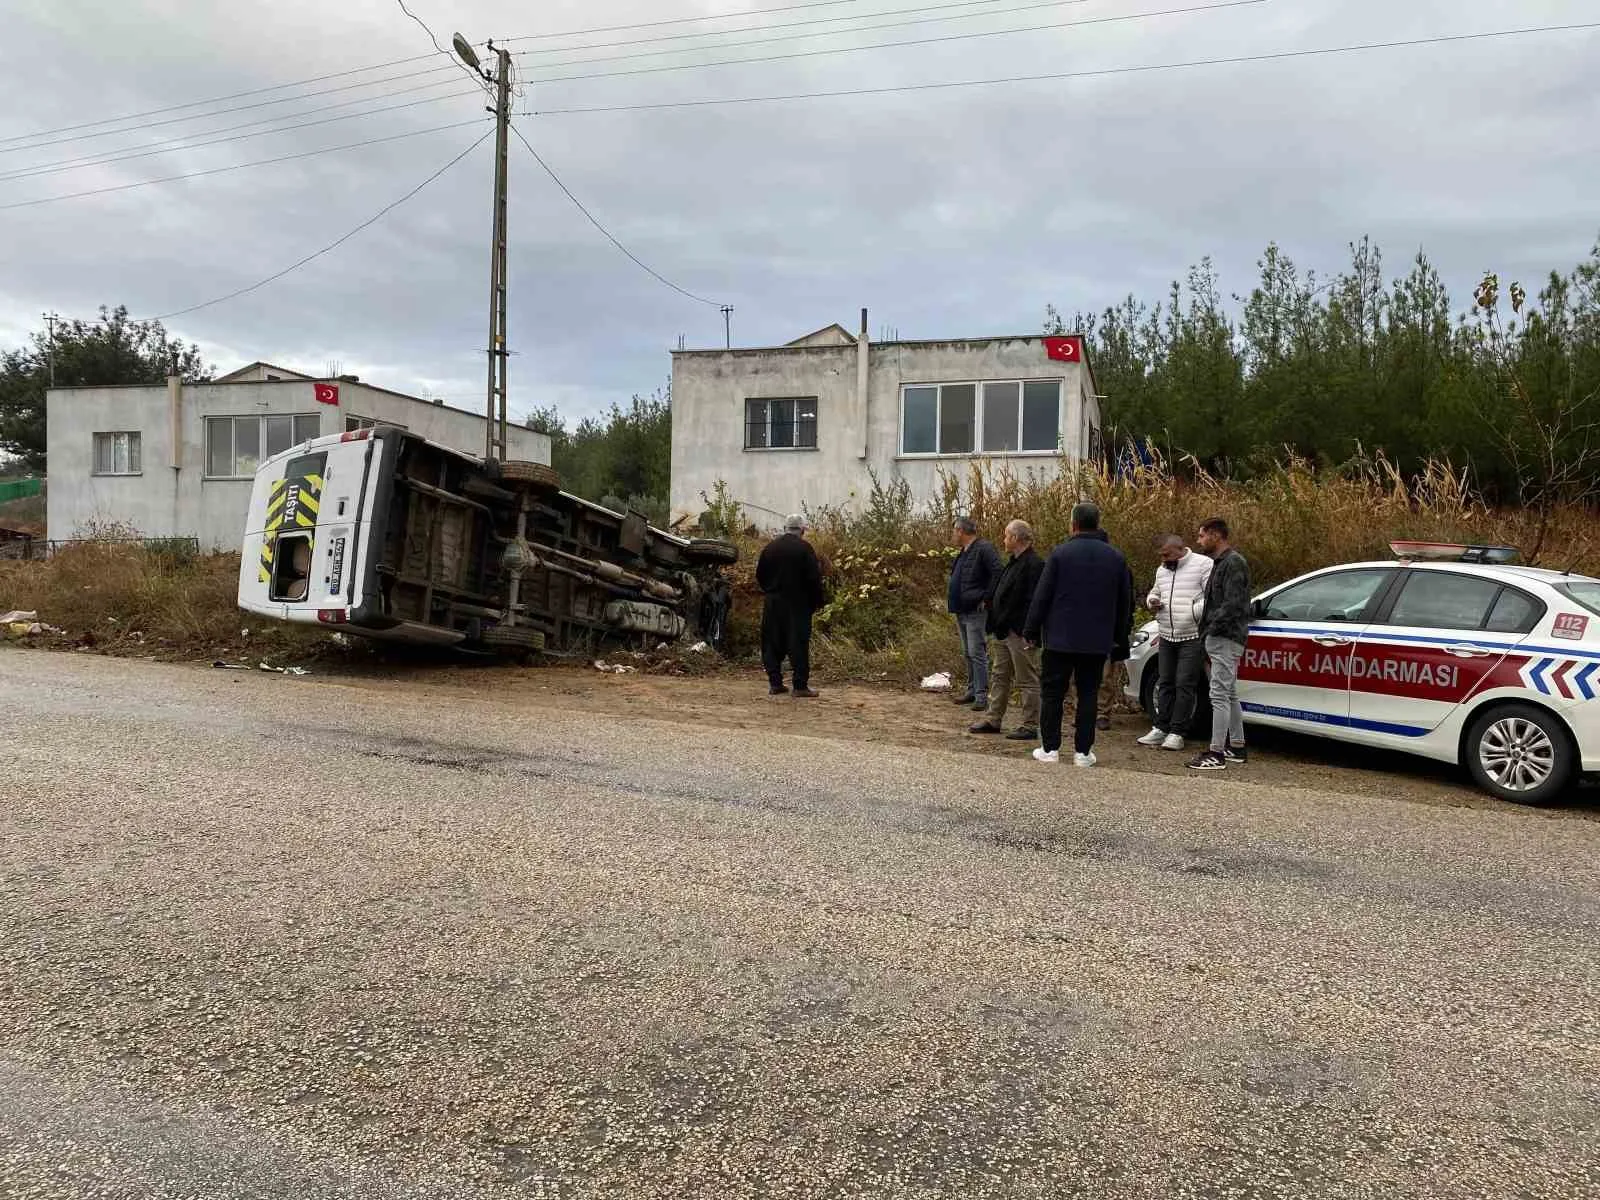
1010,656
1225,626
1082,614
972,578
790,577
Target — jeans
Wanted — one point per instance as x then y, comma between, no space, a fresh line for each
975,646
786,633
1013,661
1177,685
1086,670
1227,718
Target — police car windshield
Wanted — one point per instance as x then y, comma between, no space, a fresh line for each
1586,593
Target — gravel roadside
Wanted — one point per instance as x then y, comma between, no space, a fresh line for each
317,939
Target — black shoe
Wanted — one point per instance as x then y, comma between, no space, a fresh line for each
1208,760
1025,734
967,699
777,689
1237,756
983,727
980,706
805,693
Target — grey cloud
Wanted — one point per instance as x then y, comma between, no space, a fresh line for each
947,212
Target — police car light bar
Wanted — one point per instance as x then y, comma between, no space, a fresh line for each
1452,552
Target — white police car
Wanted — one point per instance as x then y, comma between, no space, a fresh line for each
1449,652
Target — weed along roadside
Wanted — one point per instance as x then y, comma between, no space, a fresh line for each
886,563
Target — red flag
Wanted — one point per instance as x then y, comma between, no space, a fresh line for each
1064,349
327,393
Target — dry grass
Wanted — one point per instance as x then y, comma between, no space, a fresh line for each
888,564
149,599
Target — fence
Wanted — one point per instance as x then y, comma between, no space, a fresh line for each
20,489
38,549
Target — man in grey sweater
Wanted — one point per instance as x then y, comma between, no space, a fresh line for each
1225,626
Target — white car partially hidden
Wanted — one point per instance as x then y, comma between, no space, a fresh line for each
1449,652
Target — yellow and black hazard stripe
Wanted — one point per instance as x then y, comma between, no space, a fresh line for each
293,503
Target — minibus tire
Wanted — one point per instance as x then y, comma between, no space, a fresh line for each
537,476
711,552
513,637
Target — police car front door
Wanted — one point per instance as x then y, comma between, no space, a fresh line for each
1439,636
1296,670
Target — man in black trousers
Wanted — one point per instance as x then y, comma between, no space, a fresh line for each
1082,614
790,577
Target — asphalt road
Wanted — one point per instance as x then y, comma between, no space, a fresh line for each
274,937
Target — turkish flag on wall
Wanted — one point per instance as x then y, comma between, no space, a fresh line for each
327,393
1064,349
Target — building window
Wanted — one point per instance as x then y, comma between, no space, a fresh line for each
235,446
784,424
117,454
352,423
995,417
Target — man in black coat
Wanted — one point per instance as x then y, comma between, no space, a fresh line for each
790,578
972,579
1010,657
1082,614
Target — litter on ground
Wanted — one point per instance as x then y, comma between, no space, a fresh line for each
613,668
937,683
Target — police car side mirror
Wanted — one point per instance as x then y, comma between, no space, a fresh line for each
1258,608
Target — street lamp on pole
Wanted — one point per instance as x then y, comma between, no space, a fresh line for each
496,435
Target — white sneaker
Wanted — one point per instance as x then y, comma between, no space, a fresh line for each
1040,754
1173,742
1084,760
1154,738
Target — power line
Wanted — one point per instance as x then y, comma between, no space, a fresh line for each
749,12
821,33
593,220
10,140
425,29
949,37
167,147
156,112
1089,74
334,245
263,162
717,33
454,61
78,137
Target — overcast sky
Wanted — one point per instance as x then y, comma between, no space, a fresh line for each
949,213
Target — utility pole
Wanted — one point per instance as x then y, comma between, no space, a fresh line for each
496,434
727,325
50,320
499,353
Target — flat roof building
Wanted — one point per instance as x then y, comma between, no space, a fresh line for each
810,424
178,460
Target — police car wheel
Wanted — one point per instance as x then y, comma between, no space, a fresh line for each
1521,754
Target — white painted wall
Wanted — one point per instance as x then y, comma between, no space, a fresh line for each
167,501
709,389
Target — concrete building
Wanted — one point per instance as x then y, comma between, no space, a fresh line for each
806,425
177,460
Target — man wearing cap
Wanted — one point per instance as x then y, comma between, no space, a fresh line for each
790,578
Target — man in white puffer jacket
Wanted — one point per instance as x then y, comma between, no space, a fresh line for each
1176,599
